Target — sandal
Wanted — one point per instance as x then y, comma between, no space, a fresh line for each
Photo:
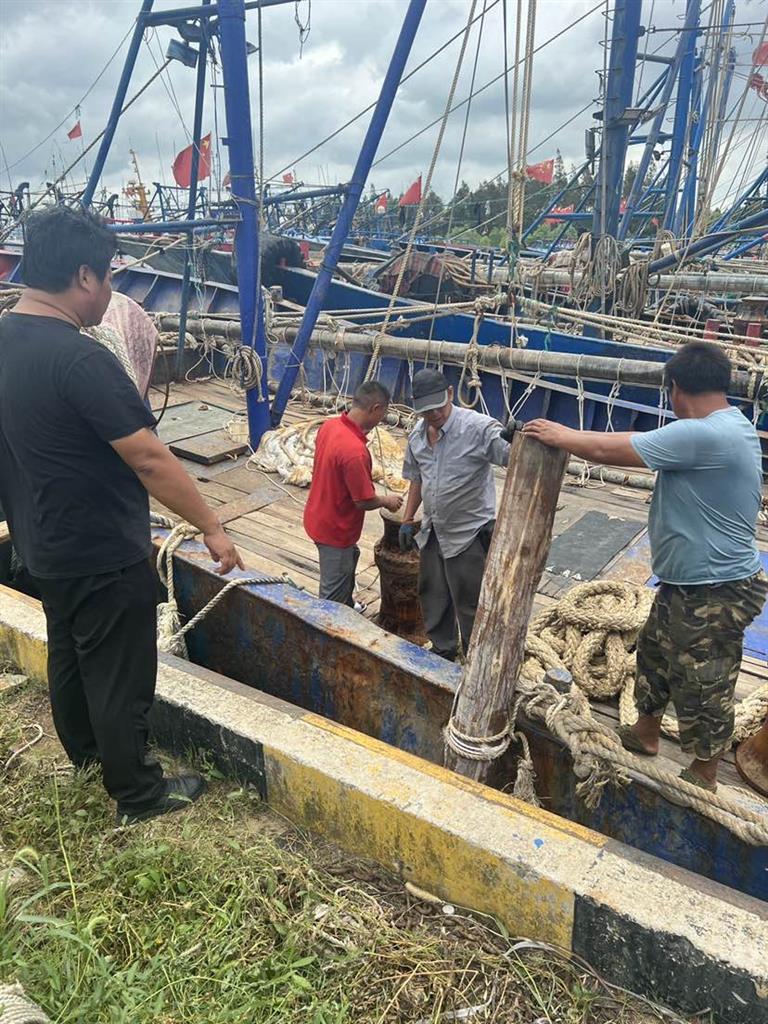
687,775
630,742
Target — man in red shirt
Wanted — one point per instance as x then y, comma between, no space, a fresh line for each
342,490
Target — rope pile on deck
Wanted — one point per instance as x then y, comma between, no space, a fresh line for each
289,451
592,633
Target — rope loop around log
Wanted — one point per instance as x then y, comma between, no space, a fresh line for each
476,748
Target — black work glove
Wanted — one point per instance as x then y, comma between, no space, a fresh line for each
406,536
509,430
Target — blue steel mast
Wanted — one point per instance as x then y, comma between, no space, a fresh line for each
616,123
680,131
351,199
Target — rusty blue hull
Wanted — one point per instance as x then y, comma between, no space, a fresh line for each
328,660
590,405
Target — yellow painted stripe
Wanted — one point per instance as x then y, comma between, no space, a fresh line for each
28,654
493,796
453,866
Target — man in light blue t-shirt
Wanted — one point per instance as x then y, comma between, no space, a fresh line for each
702,533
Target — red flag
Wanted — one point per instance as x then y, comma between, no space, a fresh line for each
759,84
76,132
760,56
412,196
542,172
182,165
380,206
623,206
288,178
558,209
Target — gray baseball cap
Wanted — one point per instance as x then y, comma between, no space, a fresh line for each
430,390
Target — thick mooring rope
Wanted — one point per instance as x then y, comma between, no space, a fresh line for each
17,1008
591,633
170,632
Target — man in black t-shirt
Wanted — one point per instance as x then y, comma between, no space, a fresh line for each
77,458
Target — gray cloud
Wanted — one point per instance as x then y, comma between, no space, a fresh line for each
52,50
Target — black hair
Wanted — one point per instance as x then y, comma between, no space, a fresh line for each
369,393
699,367
60,240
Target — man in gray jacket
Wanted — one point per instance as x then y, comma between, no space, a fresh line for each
448,463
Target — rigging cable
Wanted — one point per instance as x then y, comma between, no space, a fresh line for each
420,208
362,113
459,161
10,228
488,84
82,99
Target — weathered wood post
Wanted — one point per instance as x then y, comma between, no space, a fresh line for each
515,563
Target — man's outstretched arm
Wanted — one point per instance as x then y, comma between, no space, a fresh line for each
164,477
612,449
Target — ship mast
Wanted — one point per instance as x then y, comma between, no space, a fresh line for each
139,190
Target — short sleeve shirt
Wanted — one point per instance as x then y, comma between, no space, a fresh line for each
341,475
706,499
73,506
456,477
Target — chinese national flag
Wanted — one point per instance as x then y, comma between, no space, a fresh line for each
76,132
760,56
288,178
412,196
558,209
380,206
182,165
542,172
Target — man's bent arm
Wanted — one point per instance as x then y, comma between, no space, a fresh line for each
613,449
369,504
413,501
164,477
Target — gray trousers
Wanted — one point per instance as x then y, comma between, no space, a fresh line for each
449,591
337,573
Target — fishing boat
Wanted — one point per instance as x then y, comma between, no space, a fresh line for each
354,704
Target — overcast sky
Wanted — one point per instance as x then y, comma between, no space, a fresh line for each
51,52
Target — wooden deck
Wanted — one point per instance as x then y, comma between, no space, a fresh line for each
272,540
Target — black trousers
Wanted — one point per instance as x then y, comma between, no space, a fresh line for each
449,591
102,666
337,573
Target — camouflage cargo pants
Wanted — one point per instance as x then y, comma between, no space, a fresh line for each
689,652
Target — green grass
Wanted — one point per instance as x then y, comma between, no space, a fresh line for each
224,914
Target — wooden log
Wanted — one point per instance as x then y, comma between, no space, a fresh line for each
643,373
516,560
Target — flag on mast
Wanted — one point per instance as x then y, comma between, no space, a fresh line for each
380,206
412,196
76,132
543,172
182,165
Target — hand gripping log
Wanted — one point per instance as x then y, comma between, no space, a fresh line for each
478,730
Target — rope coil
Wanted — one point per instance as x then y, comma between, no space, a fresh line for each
476,748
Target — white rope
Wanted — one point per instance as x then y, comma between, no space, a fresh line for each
476,748
373,364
